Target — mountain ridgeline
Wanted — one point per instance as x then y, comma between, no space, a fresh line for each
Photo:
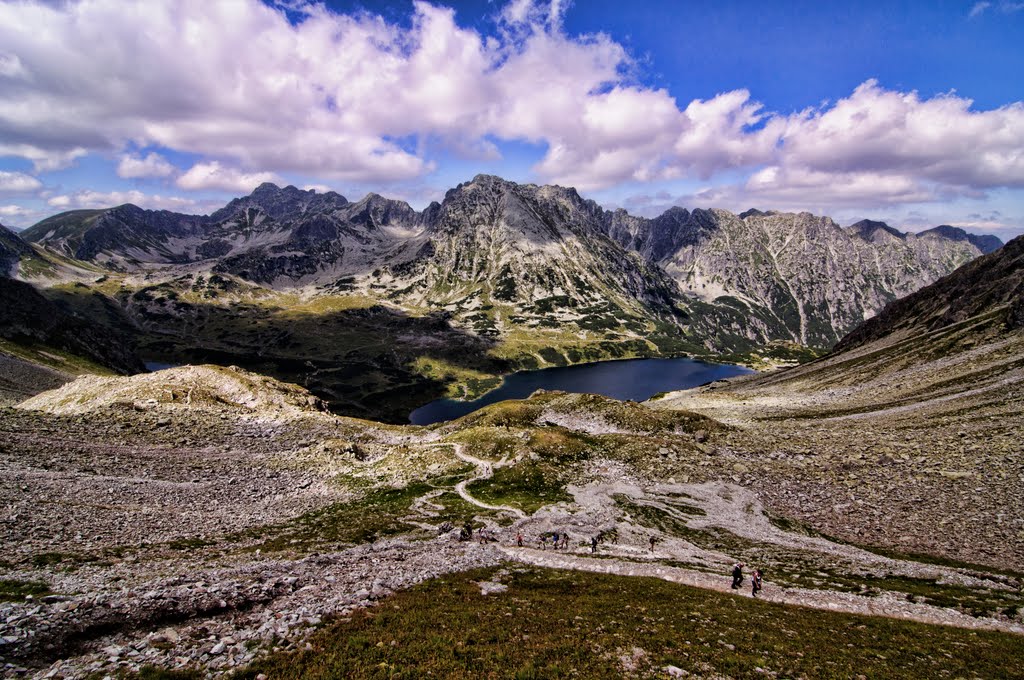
500,257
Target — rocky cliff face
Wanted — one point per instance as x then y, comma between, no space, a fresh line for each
992,283
789,276
528,256
503,257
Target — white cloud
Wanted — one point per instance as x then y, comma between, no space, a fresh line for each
152,165
939,139
18,183
355,98
13,211
979,9
100,199
318,188
213,175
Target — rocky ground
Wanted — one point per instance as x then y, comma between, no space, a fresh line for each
912,443
204,518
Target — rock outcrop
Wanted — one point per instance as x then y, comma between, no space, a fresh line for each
186,386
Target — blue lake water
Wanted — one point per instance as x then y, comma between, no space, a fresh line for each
158,365
635,379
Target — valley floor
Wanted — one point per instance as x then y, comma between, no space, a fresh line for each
206,521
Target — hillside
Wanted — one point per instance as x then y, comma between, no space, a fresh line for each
915,419
796,277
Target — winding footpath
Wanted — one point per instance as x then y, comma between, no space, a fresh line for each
886,604
484,470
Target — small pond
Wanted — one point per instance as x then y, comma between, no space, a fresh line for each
635,379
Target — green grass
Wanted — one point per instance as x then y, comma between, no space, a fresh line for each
808,569
14,590
528,486
552,624
378,514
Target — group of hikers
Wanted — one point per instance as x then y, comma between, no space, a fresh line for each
559,540
737,579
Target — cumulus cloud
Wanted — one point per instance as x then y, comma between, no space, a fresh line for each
18,183
152,165
213,175
939,139
100,199
13,211
357,98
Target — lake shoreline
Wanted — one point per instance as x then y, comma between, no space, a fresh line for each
635,379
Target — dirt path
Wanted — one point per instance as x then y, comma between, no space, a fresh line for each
888,605
484,470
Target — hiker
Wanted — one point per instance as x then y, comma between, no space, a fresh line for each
519,539
467,528
755,583
653,541
543,541
593,544
737,575
565,541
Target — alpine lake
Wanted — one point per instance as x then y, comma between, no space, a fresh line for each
629,379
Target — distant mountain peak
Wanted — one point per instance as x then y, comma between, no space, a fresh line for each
985,243
752,212
866,229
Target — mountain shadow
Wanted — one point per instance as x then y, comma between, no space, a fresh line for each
372,362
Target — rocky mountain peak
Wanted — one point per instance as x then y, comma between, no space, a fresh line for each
281,203
868,229
985,243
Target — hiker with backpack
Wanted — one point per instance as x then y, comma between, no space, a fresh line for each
737,575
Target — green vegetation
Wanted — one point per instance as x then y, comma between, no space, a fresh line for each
806,569
552,624
528,486
378,514
13,590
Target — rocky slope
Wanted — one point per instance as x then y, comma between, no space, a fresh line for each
504,257
29,319
12,250
795,277
912,426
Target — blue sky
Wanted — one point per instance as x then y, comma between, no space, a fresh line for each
909,112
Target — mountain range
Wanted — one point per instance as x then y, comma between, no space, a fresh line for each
494,250
497,276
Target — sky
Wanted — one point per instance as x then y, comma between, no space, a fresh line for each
907,112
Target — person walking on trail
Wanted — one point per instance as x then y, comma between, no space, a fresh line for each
737,575
653,541
593,544
519,539
755,583
565,541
